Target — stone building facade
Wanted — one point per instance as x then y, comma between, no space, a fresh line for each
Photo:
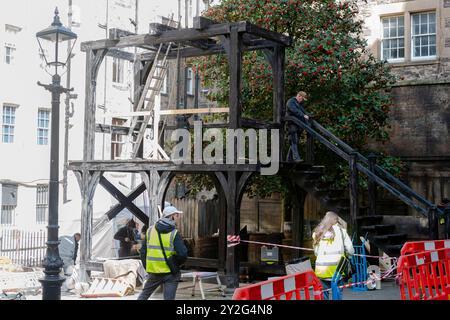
414,37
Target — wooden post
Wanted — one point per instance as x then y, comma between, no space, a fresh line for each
235,65
309,149
433,226
372,186
88,185
279,106
222,229
354,203
93,62
298,208
151,180
138,87
233,228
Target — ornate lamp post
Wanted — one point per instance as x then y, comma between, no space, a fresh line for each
54,35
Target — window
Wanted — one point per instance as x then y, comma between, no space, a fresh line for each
43,127
9,120
117,140
423,35
393,43
9,204
9,53
118,70
190,81
41,204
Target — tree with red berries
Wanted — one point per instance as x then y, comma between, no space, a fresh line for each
329,59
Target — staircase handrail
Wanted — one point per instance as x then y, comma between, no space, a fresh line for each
345,152
379,170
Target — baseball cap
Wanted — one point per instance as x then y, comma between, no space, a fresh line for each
169,211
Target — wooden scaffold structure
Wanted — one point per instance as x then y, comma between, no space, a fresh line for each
157,170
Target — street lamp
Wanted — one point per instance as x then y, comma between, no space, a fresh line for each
54,35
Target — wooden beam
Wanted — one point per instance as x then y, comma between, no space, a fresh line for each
124,55
159,29
170,112
161,166
201,23
269,35
119,196
168,36
114,211
116,33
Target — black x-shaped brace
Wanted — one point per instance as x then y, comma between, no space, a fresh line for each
124,201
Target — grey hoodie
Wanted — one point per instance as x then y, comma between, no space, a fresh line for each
165,226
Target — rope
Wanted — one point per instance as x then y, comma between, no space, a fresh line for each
236,240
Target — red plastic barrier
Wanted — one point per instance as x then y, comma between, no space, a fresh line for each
300,286
420,246
425,275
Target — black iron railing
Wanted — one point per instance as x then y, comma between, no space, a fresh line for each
375,173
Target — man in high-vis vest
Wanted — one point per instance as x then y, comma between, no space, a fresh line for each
166,252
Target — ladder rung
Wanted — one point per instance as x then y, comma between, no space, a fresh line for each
154,89
161,66
158,78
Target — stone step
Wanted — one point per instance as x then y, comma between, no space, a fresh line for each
369,220
392,250
392,238
379,229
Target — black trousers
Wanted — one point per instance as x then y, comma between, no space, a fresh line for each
294,133
168,281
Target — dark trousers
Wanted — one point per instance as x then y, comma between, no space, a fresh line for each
294,133
168,281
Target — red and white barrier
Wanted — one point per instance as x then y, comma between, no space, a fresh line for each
300,286
425,275
420,246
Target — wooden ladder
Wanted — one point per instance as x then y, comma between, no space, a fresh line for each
152,88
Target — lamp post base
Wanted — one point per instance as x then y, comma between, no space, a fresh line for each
51,287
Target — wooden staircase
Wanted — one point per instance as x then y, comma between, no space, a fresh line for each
382,235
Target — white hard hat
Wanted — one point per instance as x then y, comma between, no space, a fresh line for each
169,211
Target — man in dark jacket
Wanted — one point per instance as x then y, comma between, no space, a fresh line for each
296,108
166,252
127,238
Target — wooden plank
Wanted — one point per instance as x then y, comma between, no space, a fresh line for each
233,228
202,263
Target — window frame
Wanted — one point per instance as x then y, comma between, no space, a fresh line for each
117,140
12,50
11,125
45,130
412,47
397,60
118,71
42,193
190,77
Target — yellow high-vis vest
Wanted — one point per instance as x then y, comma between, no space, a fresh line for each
155,257
330,253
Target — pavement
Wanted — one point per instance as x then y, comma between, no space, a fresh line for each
389,291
